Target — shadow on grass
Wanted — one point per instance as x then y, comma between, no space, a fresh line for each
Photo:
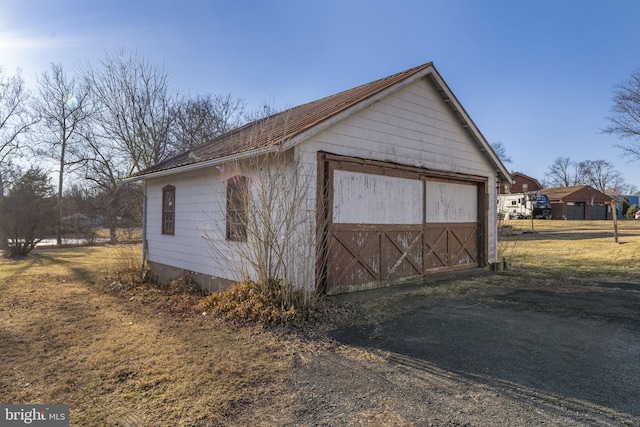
558,235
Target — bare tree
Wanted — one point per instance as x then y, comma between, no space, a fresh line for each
121,204
275,228
563,172
63,105
131,128
501,151
15,119
273,219
601,175
200,119
625,118
105,170
135,108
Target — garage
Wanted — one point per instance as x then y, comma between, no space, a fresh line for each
388,223
392,178
578,203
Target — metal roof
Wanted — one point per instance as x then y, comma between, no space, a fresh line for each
282,128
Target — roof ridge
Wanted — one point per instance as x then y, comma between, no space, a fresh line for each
303,117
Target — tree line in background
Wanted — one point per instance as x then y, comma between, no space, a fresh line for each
93,128
100,124
599,174
564,172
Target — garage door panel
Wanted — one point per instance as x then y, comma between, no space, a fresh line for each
435,248
575,210
463,245
389,223
354,256
451,202
451,246
366,253
402,253
363,198
597,212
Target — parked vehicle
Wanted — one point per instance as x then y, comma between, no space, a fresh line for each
524,205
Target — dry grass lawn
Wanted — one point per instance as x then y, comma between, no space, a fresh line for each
573,247
141,357
132,359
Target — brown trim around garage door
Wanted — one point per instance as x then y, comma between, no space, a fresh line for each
363,256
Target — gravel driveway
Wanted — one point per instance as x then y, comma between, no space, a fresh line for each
522,355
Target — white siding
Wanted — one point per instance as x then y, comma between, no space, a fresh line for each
412,126
199,243
361,198
448,202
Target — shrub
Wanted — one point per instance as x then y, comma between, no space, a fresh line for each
253,302
27,213
181,285
631,212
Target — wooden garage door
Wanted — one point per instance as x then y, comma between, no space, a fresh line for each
387,225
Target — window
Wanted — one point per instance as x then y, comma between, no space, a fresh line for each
168,209
237,209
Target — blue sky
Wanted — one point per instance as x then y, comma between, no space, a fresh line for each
536,76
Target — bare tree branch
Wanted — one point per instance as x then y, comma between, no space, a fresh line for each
625,118
15,119
63,105
501,151
563,172
601,175
135,108
203,118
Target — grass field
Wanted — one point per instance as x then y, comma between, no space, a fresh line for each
129,357
572,247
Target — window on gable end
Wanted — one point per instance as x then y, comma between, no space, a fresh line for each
168,210
237,198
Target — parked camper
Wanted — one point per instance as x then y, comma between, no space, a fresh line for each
524,205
